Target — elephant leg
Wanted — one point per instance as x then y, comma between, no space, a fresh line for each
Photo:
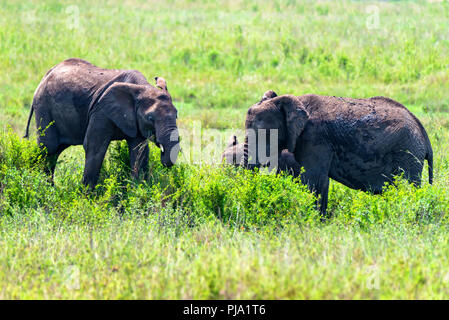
414,175
318,183
94,160
415,171
323,191
95,147
410,165
52,159
316,161
138,156
48,139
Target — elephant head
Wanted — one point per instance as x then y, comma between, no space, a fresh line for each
233,152
275,119
146,111
270,94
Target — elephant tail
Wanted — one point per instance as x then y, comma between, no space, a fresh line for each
429,154
28,124
429,158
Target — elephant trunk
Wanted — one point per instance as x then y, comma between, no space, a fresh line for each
250,160
245,152
168,142
246,155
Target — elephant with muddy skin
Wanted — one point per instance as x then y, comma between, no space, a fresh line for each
77,103
233,155
361,143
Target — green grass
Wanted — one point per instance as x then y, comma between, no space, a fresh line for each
201,230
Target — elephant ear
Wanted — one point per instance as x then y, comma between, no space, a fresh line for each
161,83
118,104
232,141
270,94
296,118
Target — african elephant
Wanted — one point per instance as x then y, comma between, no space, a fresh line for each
233,155
77,103
361,143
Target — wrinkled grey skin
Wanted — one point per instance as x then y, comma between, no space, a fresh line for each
77,103
361,143
233,155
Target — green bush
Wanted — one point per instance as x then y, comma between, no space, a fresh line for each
237,197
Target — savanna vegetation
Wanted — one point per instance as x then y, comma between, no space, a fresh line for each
201,230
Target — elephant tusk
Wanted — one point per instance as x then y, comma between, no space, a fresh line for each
162,148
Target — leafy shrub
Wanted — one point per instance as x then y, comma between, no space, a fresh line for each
237,197
19,153
400,202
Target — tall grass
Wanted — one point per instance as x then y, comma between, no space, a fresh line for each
210,232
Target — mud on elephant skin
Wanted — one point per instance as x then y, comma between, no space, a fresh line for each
77,103
233,155
361,143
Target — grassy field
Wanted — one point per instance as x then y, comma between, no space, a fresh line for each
201,230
